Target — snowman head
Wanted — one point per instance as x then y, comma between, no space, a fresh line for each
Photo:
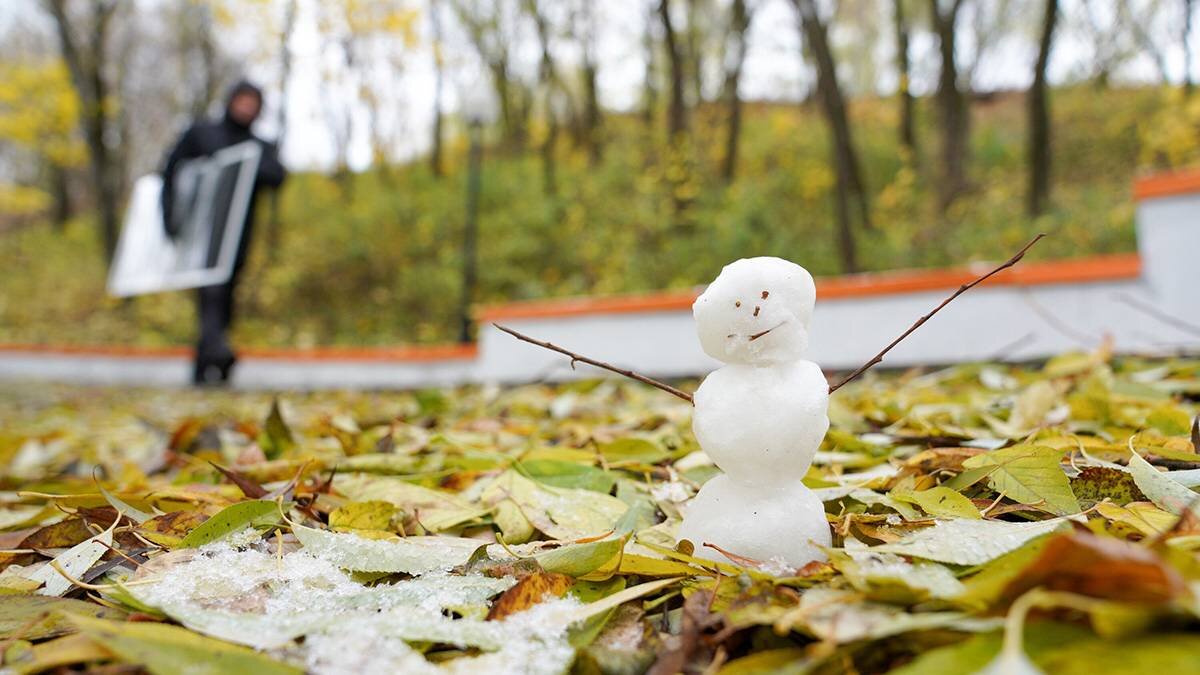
756,312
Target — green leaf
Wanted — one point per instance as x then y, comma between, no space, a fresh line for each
558,473
170,650
987,586
124,509
1029,474
940,502
232,519
276,438
561,513
372,515
786,661
633,451
1167,494
411,555
436,510
970,542
1170,420
578,560
36,617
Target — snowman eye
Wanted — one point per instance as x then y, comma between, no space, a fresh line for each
737,303
764,295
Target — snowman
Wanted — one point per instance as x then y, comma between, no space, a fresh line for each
760,417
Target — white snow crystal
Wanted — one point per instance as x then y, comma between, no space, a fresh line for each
257,598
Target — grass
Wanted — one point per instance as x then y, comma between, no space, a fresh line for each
375,259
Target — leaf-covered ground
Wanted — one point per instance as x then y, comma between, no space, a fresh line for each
986,519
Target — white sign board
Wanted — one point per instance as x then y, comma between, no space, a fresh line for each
211,197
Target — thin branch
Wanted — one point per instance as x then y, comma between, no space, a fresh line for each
599,364
921,321
1151,310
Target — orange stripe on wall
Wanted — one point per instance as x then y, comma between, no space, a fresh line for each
1083,270
415,353
1167,184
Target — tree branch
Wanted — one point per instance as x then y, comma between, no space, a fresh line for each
961,289
599,364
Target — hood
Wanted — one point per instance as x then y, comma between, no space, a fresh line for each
241,87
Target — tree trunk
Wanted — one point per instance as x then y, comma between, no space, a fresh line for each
739,22
650,85
908,135
60,188
692,56
952,107
677,111
548,81
1187,47
85,60
593,120
435,152
274,221
845,160
1039,118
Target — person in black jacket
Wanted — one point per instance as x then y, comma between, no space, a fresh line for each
214,357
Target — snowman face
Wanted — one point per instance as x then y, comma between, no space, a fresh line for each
756,312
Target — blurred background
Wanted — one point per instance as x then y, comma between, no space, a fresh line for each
624,145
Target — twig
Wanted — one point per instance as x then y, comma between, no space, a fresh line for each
1151,310
599,364
961,289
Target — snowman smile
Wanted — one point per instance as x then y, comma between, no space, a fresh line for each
752,338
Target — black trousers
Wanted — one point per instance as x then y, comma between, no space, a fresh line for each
214,357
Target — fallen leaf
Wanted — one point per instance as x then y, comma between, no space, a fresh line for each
969,542
528,592
411,555
1029,474
170,650
231,519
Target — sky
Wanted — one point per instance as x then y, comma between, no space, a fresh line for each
773,69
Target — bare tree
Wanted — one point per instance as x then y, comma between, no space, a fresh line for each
845,159
549,83
735,59
677,111
1039,118
439,67
274,225
83,38
951,103
593,120
492,35
1187,46
650,80
908,134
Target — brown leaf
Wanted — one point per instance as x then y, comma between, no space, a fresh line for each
1101,567
169,528
528,592
1097,483
63,534
248,487
677,650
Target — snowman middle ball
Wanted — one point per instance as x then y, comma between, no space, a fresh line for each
762,424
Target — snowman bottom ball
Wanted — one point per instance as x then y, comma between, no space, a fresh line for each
784,523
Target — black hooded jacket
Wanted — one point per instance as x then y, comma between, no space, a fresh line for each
204,138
